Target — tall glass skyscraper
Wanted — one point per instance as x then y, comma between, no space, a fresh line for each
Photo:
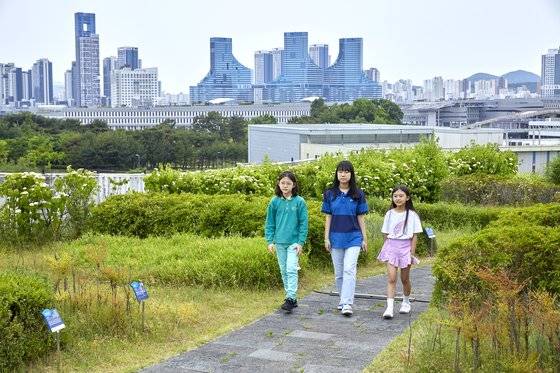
345,80
301,77
227,77
87,60
42,81
128,57
109,64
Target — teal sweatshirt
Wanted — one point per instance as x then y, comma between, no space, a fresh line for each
286,221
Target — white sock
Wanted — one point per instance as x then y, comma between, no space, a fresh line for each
405,299
390,302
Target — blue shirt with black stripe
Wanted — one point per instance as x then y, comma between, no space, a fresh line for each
344,231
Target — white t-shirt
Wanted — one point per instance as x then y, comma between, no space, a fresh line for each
393,225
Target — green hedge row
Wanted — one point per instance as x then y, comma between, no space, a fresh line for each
498,190
161,214
23,336
525,243
183,259
445,216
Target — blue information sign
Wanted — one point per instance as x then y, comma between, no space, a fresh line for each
430,232
139,290
53,320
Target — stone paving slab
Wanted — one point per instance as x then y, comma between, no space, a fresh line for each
314,338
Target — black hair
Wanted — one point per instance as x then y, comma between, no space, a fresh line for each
353,191
408,204
290,175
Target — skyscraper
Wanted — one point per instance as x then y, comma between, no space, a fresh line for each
319,53
87,60
345,80
227,77
68,87
550,74
27,85
42,81
109,64
300,76
263,67
276,63
373,74
128,57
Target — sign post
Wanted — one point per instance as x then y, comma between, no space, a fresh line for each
55,324
141,294
432,236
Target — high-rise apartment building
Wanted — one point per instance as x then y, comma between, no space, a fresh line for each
319,53
87,60
263,67
550,74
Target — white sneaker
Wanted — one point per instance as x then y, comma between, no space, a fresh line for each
405,307
347,310
388,314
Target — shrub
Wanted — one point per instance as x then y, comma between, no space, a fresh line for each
185,260
144,215
498,190
483,159
421,168
444,215
36,214
24,336
547,215
552,172
529,252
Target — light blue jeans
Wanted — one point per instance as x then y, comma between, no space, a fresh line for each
288,263
345,262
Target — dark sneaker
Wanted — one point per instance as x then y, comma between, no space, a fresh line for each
289,305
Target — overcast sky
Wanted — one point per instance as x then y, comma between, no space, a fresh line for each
408,39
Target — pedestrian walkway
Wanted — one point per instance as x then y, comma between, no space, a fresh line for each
314,338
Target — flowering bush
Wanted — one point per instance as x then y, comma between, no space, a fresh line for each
483,159
421,168
35,213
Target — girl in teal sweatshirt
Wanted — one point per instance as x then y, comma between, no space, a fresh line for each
286,232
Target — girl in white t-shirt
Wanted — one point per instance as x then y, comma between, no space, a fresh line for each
400,229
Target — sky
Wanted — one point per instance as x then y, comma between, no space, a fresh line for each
404,39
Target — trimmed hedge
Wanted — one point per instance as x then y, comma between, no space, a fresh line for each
184,259
498,190
161,214
523,242
444,216
23,336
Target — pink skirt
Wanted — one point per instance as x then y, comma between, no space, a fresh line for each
396,253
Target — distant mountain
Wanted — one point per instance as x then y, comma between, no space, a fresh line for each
481,76
521,76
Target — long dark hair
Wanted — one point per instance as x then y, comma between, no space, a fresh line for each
290,175
354,191
408,204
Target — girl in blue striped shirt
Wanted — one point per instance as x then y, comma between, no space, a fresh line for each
345,206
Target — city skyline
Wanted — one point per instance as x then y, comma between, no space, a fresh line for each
453,41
